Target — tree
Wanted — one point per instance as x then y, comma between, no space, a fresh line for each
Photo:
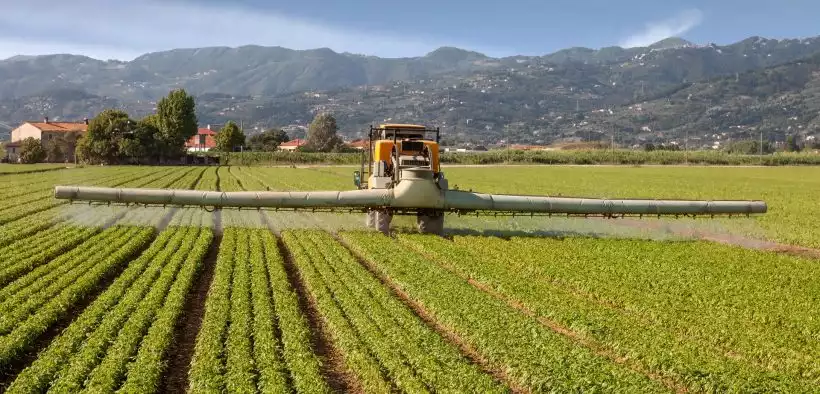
56,150
103,141
176,122
61,147
268,141
749,147
792,144
229,137
321,135
143,141
31,151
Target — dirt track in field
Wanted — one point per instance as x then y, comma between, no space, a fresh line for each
333,367
182,347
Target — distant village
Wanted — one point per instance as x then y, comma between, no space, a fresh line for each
204,141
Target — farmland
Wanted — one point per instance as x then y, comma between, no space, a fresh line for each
162,299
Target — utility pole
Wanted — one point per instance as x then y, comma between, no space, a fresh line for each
761,146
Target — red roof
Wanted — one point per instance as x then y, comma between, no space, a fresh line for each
360,143
60,126
294,142
196,142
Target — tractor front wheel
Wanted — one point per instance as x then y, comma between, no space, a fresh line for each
431,223
370,219
383,219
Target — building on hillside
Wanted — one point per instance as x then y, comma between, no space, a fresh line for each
292,145
44,131
203,141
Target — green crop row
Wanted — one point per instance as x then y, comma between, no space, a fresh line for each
16,168
532,355
135,178
32,309
103,317
207,365
122,339
250,300
227,181
145,372
527,276
101,362
39,249
760,307
414,357
209,180
20,229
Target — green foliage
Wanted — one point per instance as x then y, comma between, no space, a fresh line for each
106,132
113,137
229,138
176,122
31,151
749,147
60,147
680,317
534,355
321,135
268,141
412,354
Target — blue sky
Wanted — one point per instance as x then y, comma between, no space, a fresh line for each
125,29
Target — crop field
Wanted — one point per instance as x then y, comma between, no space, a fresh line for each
109,298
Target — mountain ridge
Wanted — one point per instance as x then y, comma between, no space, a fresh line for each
477,96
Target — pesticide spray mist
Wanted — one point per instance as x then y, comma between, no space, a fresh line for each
739,231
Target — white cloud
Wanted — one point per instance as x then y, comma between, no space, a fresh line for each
124,29
658,30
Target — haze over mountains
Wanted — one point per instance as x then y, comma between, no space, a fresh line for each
670,89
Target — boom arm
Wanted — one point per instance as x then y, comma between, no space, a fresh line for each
416,192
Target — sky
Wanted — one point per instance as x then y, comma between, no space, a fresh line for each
123,30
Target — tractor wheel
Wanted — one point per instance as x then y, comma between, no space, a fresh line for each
370,219
431,224
383,219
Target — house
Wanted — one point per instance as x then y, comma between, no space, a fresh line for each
13,151
360,144
203,141
292,145
44,131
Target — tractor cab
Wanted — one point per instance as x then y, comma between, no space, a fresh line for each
396,147
396,152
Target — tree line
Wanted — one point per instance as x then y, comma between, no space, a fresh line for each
113,137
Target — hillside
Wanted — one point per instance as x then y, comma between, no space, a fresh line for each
535,99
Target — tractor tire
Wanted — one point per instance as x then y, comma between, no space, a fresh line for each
431,224
383,219
370,219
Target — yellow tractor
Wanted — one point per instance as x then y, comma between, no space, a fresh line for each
395,148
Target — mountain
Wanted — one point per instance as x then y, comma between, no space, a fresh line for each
535,99
671,43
